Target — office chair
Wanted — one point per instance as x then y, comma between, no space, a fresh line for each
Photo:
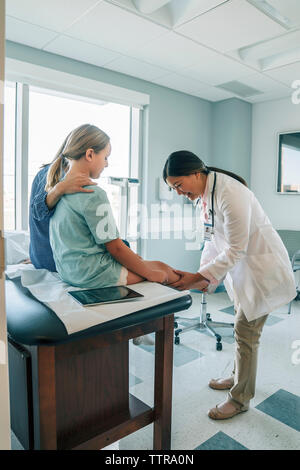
295,267
204,322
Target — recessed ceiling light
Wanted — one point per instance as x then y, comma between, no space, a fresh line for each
144,6
281,50
286,12
240,89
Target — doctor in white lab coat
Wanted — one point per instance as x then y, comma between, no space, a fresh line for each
243,250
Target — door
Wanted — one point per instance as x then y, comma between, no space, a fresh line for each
4,390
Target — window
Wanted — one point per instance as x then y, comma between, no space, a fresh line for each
289,163
52,117
9,155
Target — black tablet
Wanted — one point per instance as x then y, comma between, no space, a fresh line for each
105,295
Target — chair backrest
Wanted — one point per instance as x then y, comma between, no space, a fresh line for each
291,240
296,261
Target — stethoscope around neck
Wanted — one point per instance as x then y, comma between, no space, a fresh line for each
212,210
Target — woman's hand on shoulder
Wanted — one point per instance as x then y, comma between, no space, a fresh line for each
74,183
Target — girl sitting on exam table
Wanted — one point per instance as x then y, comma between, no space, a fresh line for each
85,241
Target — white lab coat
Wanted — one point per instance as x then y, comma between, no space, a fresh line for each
245,250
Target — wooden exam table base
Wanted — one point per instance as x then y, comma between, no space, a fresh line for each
81,396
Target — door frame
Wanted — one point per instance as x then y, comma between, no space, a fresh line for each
4,381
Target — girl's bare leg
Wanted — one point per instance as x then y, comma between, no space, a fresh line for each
172,277
133,278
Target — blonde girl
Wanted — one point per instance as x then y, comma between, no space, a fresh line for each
87,249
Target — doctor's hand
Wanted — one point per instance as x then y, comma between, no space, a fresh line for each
190,281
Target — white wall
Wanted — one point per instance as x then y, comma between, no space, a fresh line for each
268,119
4,398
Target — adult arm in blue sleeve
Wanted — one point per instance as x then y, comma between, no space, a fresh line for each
39,209
42,204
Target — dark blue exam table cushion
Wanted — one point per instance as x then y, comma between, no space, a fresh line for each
31,322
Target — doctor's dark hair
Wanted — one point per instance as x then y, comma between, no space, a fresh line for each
184,163
74,147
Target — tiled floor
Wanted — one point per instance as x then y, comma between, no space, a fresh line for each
273,421
221,441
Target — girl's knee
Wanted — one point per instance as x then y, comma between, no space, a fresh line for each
133,278
162,266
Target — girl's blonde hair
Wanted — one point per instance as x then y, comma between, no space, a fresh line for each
74,147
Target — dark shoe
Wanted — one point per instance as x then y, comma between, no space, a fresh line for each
221,384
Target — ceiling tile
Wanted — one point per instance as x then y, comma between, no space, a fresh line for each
230,26
214,69
111,27
56,15
286,74
173,52
80,50
28,34
136,68
179,82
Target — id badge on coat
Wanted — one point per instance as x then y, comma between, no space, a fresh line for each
208,232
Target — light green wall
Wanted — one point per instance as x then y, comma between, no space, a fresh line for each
231,142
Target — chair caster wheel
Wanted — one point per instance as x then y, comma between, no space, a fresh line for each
175,324
219,346
177,340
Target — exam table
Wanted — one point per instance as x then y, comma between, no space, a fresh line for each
72,391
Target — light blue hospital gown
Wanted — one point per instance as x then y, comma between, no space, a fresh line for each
80,227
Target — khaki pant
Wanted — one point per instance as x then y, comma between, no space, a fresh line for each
247,336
